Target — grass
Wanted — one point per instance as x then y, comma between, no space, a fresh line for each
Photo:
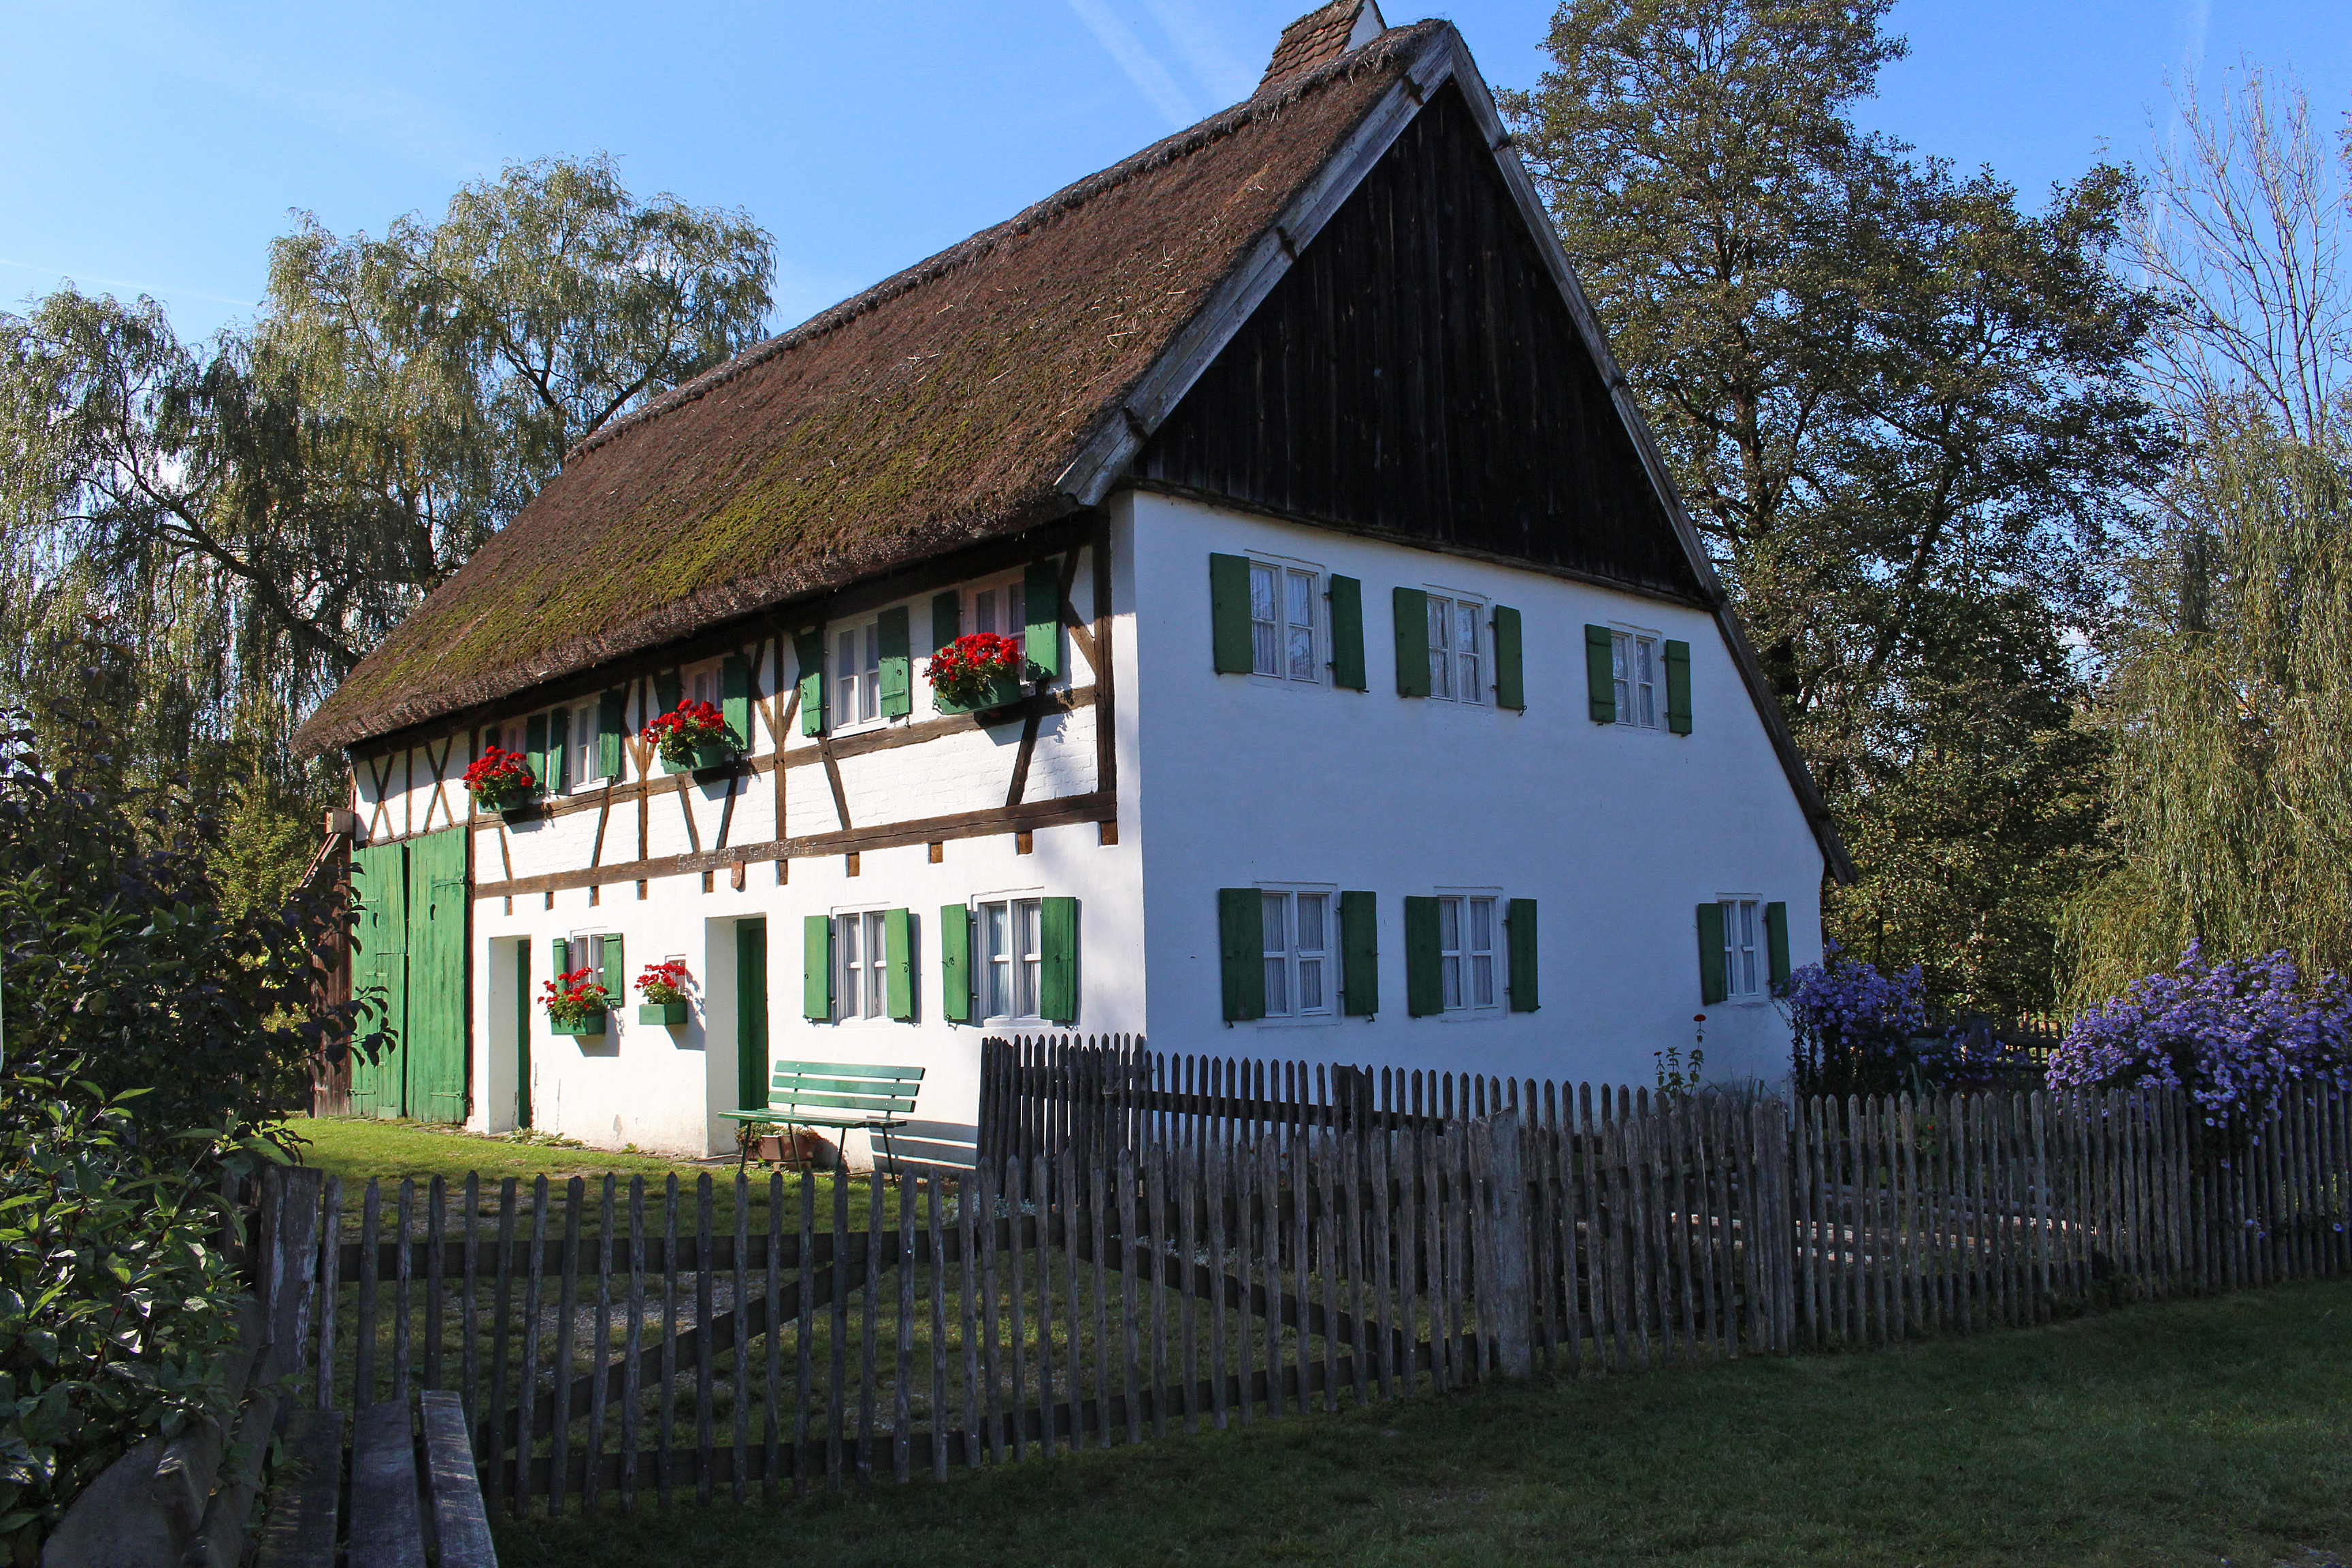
2199,1432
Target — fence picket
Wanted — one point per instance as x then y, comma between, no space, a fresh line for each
633,1333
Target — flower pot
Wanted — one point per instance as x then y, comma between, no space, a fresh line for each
1003,692
716,758
664,1013
588,1027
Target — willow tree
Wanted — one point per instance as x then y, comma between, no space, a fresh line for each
2228,683
211,535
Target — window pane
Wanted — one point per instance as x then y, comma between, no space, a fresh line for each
1441,663
1302,599
994,925
1311,986
1261,592
1277,998
1449,971
1302,653
844,939
1482,980
1272,909
1466,648
1024,978
1310,921
1482,925
1449,925
983,610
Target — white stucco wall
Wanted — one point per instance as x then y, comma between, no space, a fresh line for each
1618,833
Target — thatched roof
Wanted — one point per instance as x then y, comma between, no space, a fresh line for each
937,409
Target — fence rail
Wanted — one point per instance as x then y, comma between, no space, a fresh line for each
1250,1242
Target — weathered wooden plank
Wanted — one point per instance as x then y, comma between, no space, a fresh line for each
461,1524
301,1528
387,1527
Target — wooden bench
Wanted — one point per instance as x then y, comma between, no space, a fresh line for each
394,1503
847,1096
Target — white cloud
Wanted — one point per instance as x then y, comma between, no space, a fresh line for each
1228,76
1150,77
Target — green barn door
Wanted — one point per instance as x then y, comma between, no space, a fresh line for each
380,978
750,1015
437,976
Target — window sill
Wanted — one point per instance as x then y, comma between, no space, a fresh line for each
1298,1021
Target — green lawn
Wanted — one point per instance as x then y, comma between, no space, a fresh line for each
2200,1432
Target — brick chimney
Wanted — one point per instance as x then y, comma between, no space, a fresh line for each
1320,37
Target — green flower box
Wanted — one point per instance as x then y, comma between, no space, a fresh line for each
664,1013
520,811
715,759
585,1027
1004,691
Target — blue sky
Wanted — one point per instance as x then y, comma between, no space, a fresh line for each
157,147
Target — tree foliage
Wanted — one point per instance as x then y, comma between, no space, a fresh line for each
227,527
1901,411
2228,684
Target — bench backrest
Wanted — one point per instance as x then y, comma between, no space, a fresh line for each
849,1087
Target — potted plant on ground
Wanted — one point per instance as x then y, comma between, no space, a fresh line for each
501,780
980,673
576,1002
693,738
663,989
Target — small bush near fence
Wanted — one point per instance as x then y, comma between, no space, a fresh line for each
1156,1243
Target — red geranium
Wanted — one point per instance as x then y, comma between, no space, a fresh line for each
498,777
965,669
664,982
686,728
574,997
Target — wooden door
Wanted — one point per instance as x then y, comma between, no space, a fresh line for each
380,978
437,989
522,1033
750,1015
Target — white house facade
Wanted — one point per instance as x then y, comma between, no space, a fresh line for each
1374,718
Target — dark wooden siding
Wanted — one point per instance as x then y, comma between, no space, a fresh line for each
1417,374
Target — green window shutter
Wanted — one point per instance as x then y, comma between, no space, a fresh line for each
735,697
1510,664
1241,950
1348,634
816,967
612,729
1412,642
1601,673
1229,616
669,691
946,618
1678,703
1041,591
808,648
558,751
534,745
1359,955
616,972
898,951
1519,929
1776,937
560,956
955,962
1424,981
1712,983
897,663
1057,961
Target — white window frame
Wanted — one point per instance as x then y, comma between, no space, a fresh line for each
853,698
1276,655
1294,960
1460,996
1452,668
1747,961
1640,695
1002,607
1007,973
580,745
861,965
699,683
577,943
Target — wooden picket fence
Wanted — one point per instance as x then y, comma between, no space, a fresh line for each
1236,1259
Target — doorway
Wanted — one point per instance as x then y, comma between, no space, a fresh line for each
408,965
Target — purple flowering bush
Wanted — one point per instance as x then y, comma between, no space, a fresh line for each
1856,1031
2232,1035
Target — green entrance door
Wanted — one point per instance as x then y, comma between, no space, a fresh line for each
750,1015
408,966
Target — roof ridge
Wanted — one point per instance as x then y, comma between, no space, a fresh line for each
1375,53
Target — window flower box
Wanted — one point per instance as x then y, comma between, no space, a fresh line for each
982,674
663,989
693,738
576,1002
501,780
586,1027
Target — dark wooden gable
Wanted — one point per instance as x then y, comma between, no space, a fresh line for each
1417,374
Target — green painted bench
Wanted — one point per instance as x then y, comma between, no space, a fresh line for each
849,1096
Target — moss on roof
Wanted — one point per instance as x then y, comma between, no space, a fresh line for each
937,409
